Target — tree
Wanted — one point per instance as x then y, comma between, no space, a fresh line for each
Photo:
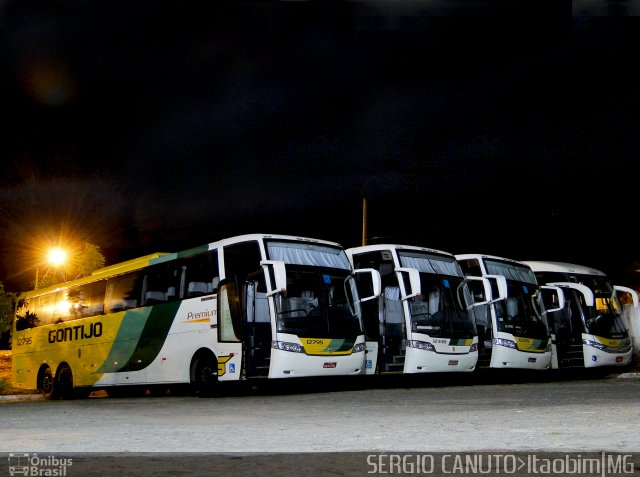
87,260
7,302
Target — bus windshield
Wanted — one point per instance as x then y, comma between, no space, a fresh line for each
319,303
605,319
437,312
520,314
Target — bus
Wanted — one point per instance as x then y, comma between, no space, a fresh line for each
513,332
249,306
422,321
590,331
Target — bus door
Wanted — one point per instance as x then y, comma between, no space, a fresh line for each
487,294
569,323
553,301
258,334
393,331
631,311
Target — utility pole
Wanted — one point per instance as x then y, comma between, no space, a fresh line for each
364,221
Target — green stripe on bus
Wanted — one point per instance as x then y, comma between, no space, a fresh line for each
140,337
153,336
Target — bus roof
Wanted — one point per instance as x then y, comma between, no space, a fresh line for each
129,264
544,266
256,236
392,246
479,256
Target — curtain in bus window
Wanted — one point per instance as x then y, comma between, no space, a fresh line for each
511,272
481,314
257,306
226,321
393,305
431,265
393,311
306,254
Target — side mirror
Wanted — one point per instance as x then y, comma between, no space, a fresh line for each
498,287
630,291
480,288
552,295
409,279
276,273
586,291
376,282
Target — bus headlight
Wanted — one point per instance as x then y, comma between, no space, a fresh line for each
359,348
594,344
284,346
473,348
422,345
505,343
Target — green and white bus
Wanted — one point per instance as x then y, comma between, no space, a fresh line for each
423,320
590,331
250,306
513,329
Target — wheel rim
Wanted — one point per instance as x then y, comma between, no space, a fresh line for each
47,383
205,378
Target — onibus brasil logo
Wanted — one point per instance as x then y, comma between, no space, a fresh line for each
34,465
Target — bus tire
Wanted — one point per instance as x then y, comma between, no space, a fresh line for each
47,385
64,382
205,375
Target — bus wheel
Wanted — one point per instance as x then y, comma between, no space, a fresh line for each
205,376
64,382
47,384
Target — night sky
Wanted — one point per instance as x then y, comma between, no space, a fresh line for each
506,128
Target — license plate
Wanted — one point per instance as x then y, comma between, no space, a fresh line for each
453,362
329,365
619,359
532,360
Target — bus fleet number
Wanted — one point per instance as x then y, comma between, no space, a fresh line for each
24,341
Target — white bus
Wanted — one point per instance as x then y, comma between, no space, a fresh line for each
422,321
590,331
512,329
251,306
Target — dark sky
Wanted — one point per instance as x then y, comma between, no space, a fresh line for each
508,128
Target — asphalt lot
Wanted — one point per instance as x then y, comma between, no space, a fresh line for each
329,429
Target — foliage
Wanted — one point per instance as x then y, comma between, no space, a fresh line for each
26,321
88,260
84,261
7,302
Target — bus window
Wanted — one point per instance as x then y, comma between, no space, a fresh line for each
44,306
201,274
160,284
229,312
123,292
85,300
93,294
26,316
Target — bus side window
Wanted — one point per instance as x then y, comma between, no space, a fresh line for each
122,292
201,274
155,285
229,312
44,308
26,315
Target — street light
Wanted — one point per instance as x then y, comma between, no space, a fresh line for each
56,257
